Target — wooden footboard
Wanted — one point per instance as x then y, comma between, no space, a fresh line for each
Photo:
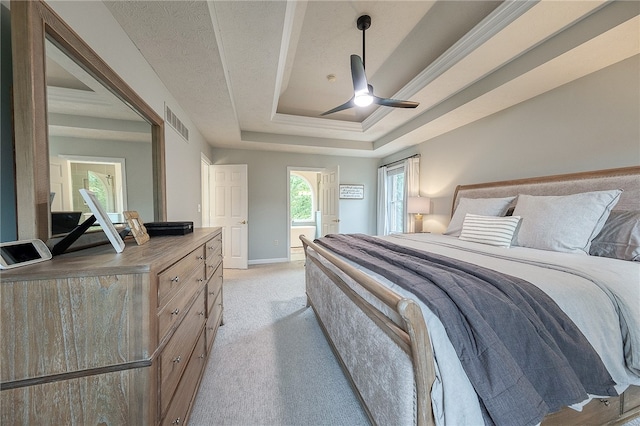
403,324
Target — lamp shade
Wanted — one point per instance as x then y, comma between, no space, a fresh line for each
419,205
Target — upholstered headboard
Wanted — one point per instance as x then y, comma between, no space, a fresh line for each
627,179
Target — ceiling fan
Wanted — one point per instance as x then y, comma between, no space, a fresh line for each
363,92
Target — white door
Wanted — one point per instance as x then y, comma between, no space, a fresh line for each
60,184
229,210
206,204
329,201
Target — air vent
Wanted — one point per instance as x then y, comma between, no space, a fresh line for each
175,122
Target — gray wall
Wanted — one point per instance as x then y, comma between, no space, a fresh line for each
268,216
8,231
589,124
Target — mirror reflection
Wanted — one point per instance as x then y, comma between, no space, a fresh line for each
96,142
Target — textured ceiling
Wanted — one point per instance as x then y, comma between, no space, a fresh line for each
253,74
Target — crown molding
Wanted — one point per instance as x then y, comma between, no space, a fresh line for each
317,123
495,22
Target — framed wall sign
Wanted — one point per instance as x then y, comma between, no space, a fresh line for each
138,229
354,192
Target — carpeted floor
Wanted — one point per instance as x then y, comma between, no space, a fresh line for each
270,363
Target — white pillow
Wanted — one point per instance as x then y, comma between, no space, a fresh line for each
565,223
492,230
481,206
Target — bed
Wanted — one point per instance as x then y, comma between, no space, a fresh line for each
411,362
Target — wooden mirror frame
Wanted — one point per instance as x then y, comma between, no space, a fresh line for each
31,22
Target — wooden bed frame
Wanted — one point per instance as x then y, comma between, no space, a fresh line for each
401,321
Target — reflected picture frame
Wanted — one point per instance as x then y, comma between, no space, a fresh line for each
136,226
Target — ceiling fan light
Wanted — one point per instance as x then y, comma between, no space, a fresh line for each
363,100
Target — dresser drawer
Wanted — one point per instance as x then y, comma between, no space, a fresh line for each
173,312
213,322
185,394
214,247
214,288
174,357
173,277
213,257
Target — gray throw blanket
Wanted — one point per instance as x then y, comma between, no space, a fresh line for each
523,355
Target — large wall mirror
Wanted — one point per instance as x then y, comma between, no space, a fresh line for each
77,125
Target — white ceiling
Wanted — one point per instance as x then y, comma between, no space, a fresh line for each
253,74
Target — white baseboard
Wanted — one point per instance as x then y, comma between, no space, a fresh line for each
265,261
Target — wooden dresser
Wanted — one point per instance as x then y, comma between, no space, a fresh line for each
96,337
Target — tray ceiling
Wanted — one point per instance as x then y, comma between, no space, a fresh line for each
253,74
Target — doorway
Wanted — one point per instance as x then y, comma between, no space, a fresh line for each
311,201
105,177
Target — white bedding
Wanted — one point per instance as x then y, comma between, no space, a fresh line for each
601,296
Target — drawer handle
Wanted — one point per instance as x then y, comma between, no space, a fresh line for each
199,257
201,356
175,279
212,293
200,280
175,311
605,402
176,421
201,313
177,359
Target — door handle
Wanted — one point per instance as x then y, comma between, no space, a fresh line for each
336,220
244,222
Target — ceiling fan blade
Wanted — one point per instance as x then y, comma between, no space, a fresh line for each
395,103
344,106
358,76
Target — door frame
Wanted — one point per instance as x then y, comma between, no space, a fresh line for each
205,203
121,173
291,169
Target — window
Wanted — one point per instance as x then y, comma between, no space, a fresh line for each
396,182
100,185
395,199
301,199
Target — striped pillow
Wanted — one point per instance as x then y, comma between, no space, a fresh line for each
492,230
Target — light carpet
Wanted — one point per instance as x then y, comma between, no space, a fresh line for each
270,363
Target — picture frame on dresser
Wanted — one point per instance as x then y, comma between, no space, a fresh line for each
136,226
103,219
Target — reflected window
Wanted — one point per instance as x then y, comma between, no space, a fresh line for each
102,186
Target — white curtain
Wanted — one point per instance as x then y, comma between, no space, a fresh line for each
411,189
382,225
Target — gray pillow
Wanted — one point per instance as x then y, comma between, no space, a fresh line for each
565,223
480,206
620,237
